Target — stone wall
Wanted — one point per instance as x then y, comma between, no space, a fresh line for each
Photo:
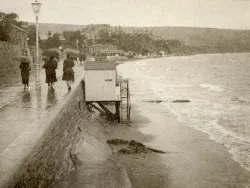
9,69
54,154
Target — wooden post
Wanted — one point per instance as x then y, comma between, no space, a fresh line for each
117,108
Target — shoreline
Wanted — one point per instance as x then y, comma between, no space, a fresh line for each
176,55
236,144
191,160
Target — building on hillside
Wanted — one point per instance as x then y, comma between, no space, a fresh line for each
43,37
97,27
112,52
162,53
98,49
92,36
16,34
62,38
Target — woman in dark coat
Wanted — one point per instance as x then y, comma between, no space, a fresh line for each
82,58
68,73
25,73
50,70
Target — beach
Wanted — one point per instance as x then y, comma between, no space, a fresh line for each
190,119
191,160
206,140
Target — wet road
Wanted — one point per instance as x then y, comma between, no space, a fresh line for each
19,108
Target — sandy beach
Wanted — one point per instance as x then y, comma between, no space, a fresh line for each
191,160
198,152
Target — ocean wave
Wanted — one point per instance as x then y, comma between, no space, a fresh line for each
238,146
194,116
206,107
212,87
241,100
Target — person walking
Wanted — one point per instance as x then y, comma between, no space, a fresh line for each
68,73
25,72
50,67
82,58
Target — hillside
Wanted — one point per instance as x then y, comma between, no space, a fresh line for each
195,36
226,39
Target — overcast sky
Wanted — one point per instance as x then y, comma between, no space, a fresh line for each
233,14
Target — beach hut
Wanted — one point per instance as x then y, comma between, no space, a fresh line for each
102,85
100,81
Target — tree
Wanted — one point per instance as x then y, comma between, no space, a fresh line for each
73,36
54,42
11,18
105,36
4,32
5,24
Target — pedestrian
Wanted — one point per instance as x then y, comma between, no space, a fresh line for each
68,73
50,67
25,72
82,58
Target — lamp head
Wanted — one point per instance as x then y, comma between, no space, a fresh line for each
36,6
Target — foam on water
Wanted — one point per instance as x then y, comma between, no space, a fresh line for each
212,87
219,106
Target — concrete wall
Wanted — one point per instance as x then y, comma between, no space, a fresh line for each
56,137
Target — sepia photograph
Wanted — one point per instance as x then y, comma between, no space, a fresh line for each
124,94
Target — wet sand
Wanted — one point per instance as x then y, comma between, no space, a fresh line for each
192,160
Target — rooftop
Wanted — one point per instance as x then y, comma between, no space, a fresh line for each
111,51
18,28
99,65
101,45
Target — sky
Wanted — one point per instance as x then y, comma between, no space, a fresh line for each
231,14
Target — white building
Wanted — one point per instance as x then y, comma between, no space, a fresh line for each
101,81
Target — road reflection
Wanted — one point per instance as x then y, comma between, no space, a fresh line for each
51,97
26,100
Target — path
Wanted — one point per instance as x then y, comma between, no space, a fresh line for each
19,108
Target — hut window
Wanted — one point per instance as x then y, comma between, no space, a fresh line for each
108,80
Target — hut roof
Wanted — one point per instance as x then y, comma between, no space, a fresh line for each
99,65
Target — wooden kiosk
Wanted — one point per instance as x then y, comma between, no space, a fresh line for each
103,88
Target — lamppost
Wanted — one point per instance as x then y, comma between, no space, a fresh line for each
82,48
36,8
61,50
77,42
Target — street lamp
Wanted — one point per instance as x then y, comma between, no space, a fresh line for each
36,8
77,42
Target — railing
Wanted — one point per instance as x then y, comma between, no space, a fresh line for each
125,102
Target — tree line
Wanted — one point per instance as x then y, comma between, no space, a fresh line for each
6,19
137,42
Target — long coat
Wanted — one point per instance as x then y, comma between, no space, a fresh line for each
82,57
50,70
25,72
68,73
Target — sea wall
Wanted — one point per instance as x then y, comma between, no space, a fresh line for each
51,144
55,153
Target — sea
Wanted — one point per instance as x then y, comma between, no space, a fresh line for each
217,86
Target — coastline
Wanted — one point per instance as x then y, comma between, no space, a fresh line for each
192,160
178,55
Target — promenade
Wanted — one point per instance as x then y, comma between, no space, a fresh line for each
19,108
34,117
